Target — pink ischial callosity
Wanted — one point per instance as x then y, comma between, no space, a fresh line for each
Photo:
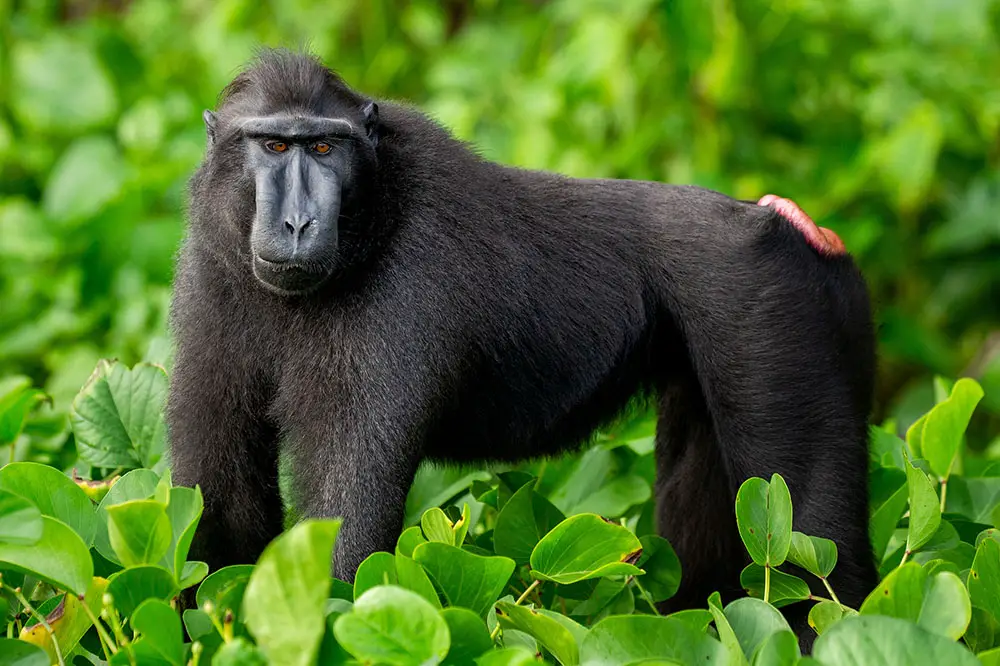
821,239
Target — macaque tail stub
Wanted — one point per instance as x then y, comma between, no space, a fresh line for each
821,239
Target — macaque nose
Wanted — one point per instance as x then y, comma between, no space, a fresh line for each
297,224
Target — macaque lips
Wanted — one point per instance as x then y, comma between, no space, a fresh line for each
821,239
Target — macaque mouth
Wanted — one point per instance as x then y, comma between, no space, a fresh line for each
289,278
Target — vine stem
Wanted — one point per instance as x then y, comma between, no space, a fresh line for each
524,595
767,583
102,633
41,620
645,595
944,492
829,589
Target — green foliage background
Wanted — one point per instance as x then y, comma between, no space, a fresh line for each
882,118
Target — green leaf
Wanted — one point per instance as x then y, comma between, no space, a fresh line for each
436,484
53,493
982,631
726,634
619,640
662,567
59,557
585,546
764,517
68,619
875,640
946,609
615,497
192,574
900,594
376,569
888,501
239,652
160,625
467,580
945,425
523,521
753,621
781,648
285,602
785,588
139,531
413,577
118,415
469,636
20,520
984,577
437,527
408,540
135,485
514,656
390,625
184,511
87,177
18,653
131,587
824,615
225,588
925,508
200,628
816,555
15,406
42,72
551,633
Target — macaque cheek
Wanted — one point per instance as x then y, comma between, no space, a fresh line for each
821,239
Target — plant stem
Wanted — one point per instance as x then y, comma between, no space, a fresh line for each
41,620
906,554
102,633
944,492
829,589
767,583
524,596
645,595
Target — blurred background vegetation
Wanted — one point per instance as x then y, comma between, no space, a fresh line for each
880,117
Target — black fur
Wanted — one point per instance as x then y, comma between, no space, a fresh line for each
480,312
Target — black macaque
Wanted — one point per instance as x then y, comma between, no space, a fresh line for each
365,288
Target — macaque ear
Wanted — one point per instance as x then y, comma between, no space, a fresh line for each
371,122
210,120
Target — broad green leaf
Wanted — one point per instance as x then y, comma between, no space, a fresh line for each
390,625
512,656
662,567
730,640
925,508
785,588
469,636
139,531
466,580
553,635
875,640
131,587
945,425
118,415
764,517
184,511
199,627
946,608
523,521
376,569
989,657
616,497
436,484
984,577
977,499
59,557
15,406
42,71
824,615
697,618
160,625
89,175
408,540
225,588
413,577
753,621
900,594
285,600
983,630
239,652
816,555
68,619
192,574
619,640
781,648
20,520
18,653
135,485
437,527
585,546
889,495
53,493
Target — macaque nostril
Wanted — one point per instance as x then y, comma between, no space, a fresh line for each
290,227
296,226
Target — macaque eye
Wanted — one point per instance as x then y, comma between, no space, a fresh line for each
276,146
322,148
